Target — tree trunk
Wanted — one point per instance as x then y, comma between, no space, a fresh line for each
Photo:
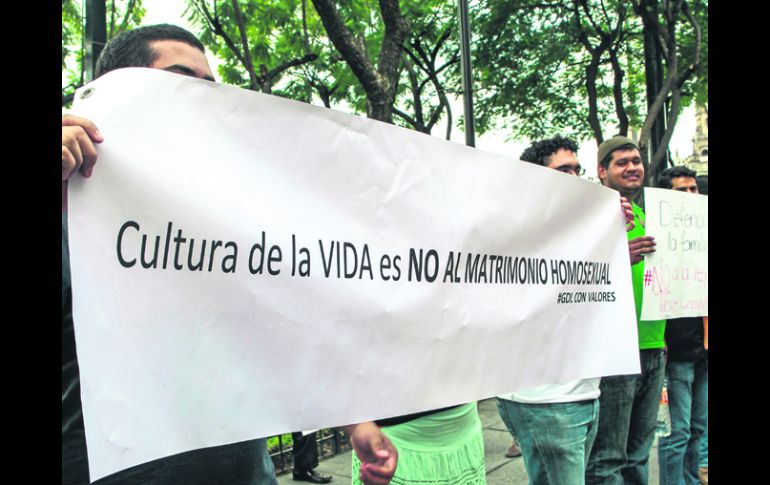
380,83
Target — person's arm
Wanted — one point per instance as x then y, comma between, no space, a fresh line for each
78,153
640,246
377,454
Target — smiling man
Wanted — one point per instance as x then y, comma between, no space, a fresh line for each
629,403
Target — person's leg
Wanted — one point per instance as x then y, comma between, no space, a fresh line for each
644,416
593,428
243,463
672,449
703,465
608,454
513,450
265,472
698,422
305,453
553,440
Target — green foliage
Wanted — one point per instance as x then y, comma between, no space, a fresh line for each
431,67
120,15
530,66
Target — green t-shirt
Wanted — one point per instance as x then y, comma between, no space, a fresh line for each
651,332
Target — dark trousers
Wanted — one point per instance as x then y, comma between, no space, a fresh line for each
627,419
304,452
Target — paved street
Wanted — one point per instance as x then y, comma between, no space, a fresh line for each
500,470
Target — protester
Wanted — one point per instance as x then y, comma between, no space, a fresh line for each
555,424
305,454
175,50
686,375
441,446
629,403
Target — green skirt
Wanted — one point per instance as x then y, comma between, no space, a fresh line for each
443,448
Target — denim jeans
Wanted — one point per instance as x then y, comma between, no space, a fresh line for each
243,463
629,410
703,462
679,454
555,438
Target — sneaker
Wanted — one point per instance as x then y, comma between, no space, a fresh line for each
513,451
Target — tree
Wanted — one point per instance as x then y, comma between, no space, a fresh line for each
678,38
121,15
575,66
257,40
431,61
379,80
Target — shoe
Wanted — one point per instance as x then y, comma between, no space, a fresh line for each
513,451
311,476
703,474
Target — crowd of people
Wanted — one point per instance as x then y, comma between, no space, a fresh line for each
596,430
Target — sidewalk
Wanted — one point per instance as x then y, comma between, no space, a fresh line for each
500,470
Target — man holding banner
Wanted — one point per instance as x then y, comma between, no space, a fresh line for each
176,50
686,375
629,403
556,424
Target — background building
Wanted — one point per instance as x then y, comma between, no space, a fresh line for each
699,159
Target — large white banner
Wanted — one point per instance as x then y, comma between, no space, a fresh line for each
676,275
244,265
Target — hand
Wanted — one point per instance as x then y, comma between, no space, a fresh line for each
640,246
377,454
78,152
625,207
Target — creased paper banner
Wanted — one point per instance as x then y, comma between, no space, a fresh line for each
244,265
677,274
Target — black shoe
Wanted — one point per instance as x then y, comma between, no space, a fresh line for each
311,476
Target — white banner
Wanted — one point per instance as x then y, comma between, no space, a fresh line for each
245,265
676,275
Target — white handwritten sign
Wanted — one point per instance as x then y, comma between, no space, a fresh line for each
677,273
234,250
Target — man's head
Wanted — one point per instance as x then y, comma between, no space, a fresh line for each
558,153
679,178
703,184
162,46
620,165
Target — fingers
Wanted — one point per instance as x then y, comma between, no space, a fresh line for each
69,161
78,150
377,454
628,212
642,242
640,246
384,466
373,474
369,478
87,125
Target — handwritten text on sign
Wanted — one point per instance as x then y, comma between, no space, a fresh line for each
676,275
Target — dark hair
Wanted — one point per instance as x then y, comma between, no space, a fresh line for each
703,184
664,180
539,151
622,148
132,48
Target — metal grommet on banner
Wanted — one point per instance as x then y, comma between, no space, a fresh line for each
88,92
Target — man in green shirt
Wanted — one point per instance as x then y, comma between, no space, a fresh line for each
629,403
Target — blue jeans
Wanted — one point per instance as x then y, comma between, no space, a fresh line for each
244,463
703,462
555,438
629,411
679,454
